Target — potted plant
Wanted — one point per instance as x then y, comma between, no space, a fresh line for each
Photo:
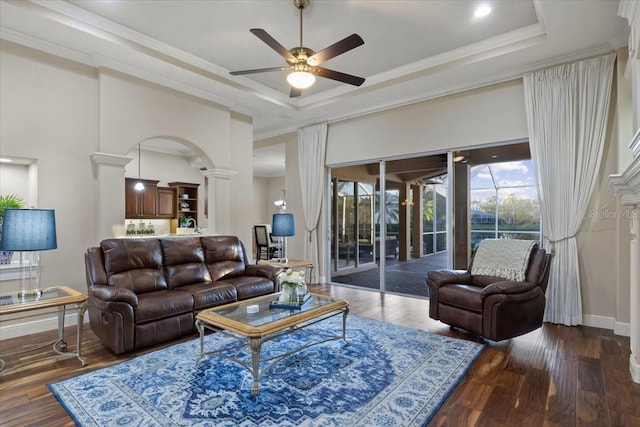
8,202
186,225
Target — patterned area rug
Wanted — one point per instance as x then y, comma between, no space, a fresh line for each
386,376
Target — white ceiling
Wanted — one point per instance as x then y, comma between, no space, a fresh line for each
414,50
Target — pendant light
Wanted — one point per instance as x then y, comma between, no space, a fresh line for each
139,185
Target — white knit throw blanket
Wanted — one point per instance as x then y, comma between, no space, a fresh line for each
506,258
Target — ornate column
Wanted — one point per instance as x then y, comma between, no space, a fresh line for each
627,183
627,187
108,173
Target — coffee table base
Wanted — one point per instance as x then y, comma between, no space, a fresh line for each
255,345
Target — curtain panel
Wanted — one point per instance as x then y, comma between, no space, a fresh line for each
312,145
567,111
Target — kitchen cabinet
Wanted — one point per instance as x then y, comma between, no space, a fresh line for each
166,202
186,201
141,204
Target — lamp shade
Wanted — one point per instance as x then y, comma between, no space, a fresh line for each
283,225
28,230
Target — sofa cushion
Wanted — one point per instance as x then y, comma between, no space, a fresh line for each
184,261
211,294
224,256
161,304
134,264
250,286
462,296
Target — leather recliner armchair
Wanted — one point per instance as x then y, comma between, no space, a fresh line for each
491,307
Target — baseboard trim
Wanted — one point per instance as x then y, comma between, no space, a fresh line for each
39,325
604,322
634,368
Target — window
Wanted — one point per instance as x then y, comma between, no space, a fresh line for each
434,219
504,202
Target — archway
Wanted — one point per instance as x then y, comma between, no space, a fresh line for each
172,166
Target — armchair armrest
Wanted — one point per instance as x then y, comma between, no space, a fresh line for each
507,287
448,277
114,294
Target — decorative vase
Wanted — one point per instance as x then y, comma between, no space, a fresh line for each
5,257
293,295
285,294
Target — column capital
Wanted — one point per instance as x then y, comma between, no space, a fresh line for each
109,159
219,173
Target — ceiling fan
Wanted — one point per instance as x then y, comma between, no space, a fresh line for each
304,62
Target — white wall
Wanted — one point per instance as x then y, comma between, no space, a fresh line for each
132,111
487,115
60,113
48,111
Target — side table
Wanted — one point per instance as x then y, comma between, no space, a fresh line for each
292,263
62,297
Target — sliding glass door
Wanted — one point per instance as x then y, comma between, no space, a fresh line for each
382,214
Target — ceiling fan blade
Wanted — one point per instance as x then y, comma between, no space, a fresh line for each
344,45
273,44
295,92
337,75
258,70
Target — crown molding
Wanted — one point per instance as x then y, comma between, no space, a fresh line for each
45,46
88,23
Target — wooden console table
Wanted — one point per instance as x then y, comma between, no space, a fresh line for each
62,297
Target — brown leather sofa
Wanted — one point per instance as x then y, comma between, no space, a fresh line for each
489,306
147,291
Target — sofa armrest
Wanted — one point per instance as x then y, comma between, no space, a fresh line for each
271,272
114,294
447,277
508,287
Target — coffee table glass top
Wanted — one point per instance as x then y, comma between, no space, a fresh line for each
238,311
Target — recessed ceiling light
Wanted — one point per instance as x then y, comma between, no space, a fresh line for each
482,11
5,160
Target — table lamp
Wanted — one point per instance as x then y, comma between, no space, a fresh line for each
283,225
32,231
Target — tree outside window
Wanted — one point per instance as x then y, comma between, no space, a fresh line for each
504,202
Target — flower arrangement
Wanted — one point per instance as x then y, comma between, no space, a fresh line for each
292,279
293,285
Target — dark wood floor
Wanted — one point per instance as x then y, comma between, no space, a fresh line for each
555,376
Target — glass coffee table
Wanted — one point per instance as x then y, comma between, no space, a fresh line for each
256,322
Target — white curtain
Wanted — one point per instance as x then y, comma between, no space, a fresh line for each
567,108
312,143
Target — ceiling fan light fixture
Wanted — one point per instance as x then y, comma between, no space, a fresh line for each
301,79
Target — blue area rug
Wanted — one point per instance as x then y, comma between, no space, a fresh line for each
388,375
